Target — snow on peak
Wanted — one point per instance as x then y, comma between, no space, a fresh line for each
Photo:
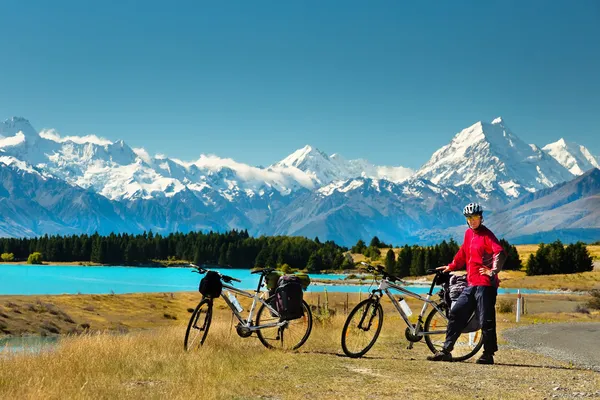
576,158
53,135
486,154
304,157
324,169
498,121
12,126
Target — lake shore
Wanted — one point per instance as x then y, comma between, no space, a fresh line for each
50,315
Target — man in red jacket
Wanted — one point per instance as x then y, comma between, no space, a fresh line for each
483,257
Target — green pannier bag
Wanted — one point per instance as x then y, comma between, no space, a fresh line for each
274,276
304,280
272,279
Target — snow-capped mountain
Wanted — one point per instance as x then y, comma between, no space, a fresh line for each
324,169
576,158
118,172
494,162
55,184
568,211
363,207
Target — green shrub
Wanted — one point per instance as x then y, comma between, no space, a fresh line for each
594,302
7,257
35,258
286,269
506,306
582,309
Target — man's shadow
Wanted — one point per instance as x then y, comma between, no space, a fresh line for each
574,368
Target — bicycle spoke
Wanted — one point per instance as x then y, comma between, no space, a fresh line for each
466,345
362,328
291,335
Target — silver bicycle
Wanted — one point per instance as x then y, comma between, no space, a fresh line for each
364,322
272,330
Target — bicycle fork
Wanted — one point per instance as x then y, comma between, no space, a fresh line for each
371,317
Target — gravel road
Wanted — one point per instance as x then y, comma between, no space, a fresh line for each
571,342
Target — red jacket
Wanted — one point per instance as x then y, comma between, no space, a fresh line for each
480,249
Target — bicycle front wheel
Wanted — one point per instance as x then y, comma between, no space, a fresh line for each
290,336
467,345
362,328
197,329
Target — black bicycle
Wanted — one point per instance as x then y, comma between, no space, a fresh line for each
272,330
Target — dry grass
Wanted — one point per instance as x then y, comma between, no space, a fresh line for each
152,364
582,281
524,251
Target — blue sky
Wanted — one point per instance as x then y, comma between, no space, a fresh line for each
389,81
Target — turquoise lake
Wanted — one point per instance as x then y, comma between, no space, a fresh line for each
47,279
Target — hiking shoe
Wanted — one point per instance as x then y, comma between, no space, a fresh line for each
485,359
441,355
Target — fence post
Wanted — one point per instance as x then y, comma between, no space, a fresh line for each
518,305
346,305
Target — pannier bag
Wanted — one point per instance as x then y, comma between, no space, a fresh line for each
271,279
210,285
304,280
288,297
457,284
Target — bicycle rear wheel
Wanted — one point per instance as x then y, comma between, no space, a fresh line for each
467,345
362,328
290,336
197,328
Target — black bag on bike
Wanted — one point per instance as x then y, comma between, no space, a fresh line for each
210,285
288,297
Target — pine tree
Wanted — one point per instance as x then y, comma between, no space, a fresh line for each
315,263
513,262
375,242
404,261
390,262
359,247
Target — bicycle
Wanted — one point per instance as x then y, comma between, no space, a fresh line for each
272,330
370,320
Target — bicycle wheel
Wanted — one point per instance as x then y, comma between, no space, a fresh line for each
289,336
467,345
197,329
362,328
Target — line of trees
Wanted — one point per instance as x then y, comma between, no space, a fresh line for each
234,248
555,258
417,260
239,250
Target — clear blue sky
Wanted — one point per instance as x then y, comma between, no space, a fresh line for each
388,81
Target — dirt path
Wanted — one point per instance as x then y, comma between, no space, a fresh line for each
571,342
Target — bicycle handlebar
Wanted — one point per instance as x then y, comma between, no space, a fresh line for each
202,270
379,269
263,271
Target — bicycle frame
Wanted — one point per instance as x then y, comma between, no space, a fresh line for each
256,298
385,286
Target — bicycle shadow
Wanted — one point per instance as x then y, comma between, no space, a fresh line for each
330,353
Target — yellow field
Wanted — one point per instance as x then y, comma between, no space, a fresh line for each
152,364
524,251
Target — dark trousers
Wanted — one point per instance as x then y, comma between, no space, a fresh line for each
482,299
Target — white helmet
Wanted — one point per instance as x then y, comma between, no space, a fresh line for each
472,209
